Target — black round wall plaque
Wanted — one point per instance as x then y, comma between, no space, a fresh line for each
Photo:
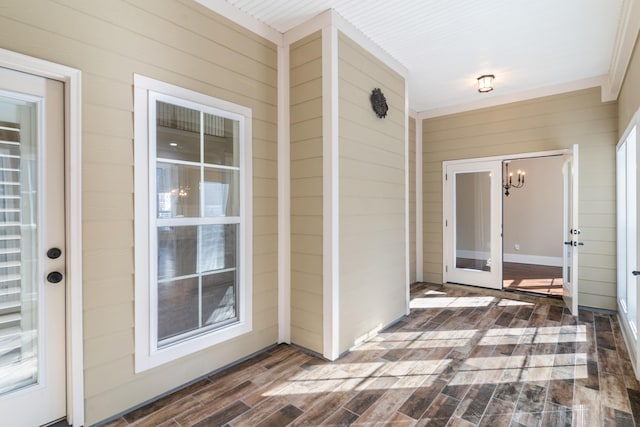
379,103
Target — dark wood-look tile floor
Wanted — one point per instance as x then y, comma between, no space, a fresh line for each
540,279
461,358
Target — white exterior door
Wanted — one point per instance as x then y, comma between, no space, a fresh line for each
32,250
572,241
473,223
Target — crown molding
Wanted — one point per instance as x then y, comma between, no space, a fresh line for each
628,28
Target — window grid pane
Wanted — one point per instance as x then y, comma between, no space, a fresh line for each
196,187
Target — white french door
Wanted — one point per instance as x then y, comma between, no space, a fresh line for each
572,231
628,262
32,250
473,223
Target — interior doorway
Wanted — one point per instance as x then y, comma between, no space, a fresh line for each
532,201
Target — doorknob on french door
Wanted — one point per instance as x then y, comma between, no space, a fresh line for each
568,243
635,273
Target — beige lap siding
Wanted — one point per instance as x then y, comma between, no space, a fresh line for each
372,195
185,44
306,192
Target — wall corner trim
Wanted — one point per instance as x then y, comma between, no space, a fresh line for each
284,199
331,195
419,207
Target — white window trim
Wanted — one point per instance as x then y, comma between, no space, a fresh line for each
147,355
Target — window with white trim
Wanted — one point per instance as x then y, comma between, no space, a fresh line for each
193,228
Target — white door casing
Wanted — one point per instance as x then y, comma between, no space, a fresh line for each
48,304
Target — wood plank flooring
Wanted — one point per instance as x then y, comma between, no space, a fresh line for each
461,358
541,279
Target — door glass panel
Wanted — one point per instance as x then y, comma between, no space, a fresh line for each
568,230
621,212
473,220
631,231
19,291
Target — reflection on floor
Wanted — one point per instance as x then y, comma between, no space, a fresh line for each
463,357
542,279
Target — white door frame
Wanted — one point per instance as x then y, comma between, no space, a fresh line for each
475,160
71,78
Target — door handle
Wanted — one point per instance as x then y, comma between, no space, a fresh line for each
568,243
54,277
578,243
635,273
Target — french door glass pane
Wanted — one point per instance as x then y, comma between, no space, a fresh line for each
473,220
19,284
621,212
631,229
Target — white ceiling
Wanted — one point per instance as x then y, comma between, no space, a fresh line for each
529,45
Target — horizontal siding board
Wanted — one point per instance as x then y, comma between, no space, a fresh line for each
306,149
306,72
305,91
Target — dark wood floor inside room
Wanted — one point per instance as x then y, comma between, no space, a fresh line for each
463,357
540,279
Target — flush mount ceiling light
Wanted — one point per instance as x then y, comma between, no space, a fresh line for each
485,83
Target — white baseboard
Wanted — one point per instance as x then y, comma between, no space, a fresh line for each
533,259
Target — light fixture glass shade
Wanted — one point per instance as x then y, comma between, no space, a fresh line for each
485,83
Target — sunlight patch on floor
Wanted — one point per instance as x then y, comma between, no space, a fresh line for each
457,302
